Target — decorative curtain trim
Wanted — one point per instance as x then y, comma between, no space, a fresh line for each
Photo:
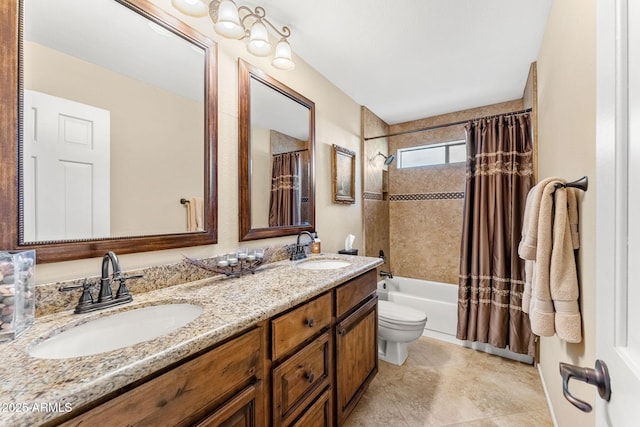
494,278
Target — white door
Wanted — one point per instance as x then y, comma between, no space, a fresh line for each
618,208
66,169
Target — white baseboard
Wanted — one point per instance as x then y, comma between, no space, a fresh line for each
546,395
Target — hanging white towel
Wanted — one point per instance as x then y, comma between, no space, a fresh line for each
195,214
529,244
550,235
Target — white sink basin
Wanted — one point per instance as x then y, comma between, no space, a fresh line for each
323,264
116,331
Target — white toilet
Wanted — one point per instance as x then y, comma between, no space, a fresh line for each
398,325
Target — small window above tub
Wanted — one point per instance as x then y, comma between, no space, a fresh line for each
432,154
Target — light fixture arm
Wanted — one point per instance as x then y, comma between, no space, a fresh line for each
258,13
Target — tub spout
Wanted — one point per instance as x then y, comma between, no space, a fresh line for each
386,274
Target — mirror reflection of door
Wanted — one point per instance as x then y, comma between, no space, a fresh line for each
280,161
66,169
152,83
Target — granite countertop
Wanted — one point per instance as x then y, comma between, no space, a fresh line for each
34,391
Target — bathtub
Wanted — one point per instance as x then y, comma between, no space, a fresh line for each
440,302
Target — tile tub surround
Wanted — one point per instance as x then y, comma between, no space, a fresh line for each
374,186
231,305
428,201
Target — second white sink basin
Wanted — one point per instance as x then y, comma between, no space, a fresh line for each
323,264
116,331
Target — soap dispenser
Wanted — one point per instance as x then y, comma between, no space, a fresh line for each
315,245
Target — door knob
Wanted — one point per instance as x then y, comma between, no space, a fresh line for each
598,377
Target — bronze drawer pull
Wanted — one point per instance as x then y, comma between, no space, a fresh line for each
342,332
309,376
309,322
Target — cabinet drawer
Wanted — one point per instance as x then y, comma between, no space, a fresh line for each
353,292
239,411
300,379
186,393
291,329
319,414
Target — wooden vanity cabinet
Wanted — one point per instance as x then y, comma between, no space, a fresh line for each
356,345
307,367
222,387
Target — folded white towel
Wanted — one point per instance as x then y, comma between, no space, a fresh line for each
529,242
563,273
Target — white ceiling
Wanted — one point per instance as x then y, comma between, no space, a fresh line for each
410,59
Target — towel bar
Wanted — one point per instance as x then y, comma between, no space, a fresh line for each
184,201
581,184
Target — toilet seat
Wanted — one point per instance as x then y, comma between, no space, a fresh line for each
400,315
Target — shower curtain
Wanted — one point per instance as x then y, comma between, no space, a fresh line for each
491,282
285,199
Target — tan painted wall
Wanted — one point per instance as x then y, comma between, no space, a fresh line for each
337,122
566,134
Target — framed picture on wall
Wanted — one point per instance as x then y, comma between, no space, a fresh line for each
343,175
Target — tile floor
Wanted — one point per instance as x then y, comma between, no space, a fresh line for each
443,384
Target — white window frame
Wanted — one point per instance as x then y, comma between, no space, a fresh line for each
446,145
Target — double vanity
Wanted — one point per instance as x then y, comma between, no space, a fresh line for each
293,344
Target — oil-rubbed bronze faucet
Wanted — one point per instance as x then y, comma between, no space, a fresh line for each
299,252
105,296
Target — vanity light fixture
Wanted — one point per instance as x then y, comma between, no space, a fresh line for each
240,22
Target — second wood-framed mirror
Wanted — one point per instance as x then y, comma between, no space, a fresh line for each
277,157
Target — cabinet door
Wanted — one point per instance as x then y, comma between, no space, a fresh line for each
356,356
238,412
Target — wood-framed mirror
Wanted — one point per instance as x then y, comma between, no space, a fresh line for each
137,101
277,157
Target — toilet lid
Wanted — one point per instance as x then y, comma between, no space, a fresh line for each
392,311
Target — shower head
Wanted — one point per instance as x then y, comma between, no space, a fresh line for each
387,159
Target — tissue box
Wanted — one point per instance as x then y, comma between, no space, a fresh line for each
348,251
17,292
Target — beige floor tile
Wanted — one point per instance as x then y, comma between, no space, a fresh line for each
523,419
442,384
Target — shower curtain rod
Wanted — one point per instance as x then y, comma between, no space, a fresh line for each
287,152
461,122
